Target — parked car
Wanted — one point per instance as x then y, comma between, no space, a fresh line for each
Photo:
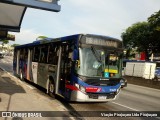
1,55
123,82
157,73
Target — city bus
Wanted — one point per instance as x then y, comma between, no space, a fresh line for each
81,67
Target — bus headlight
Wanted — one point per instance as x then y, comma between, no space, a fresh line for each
118,90
77,85
81,88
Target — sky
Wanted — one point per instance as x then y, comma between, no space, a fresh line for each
102,17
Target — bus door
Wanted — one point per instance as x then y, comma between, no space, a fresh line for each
35,64
43,66
65,69
18,62
29,61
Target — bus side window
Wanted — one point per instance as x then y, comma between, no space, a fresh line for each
43,54
36,54
53,56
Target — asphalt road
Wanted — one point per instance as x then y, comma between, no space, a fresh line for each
6,63
131,98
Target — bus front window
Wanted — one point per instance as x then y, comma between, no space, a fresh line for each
98,63
91,64
112,64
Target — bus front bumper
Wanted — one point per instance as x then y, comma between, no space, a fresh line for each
92,97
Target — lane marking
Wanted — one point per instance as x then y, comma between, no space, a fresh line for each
125,106
144,87
131,108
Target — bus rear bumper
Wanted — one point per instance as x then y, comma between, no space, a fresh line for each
82,97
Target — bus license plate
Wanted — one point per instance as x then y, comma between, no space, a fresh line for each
102,97
122,83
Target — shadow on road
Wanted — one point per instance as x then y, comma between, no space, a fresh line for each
70,109
9,86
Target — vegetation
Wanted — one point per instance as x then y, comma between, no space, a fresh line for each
15,45
4,42
145,36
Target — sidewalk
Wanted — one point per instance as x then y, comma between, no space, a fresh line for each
17,96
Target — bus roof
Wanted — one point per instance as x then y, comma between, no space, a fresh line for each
48,40
71,37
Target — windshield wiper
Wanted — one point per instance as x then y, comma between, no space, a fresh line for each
96,54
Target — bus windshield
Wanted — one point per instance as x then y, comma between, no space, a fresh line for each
94,62
91,62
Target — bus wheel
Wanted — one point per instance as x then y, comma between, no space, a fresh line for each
51,89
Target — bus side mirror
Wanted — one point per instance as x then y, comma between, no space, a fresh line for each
78,63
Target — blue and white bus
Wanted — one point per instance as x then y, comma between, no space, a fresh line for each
82,67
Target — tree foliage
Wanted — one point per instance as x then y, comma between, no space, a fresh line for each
15,45
145,36
154,21
5,42
137,36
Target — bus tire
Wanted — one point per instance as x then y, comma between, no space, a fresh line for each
51,89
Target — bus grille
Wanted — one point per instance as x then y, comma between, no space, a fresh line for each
96,96
102,83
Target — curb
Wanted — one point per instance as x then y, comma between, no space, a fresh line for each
3,69
8,73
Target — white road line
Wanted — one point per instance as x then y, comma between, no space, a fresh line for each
125,106
144,87
130,108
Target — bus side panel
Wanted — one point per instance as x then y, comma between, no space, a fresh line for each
34,71
42,74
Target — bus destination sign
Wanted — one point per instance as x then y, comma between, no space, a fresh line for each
102,42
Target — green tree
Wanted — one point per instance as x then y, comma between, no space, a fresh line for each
137,36
143,35
154,21
15,45
4,42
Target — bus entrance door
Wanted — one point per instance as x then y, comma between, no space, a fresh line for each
18,62
64,69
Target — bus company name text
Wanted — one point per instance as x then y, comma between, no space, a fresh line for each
134,114
22,114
